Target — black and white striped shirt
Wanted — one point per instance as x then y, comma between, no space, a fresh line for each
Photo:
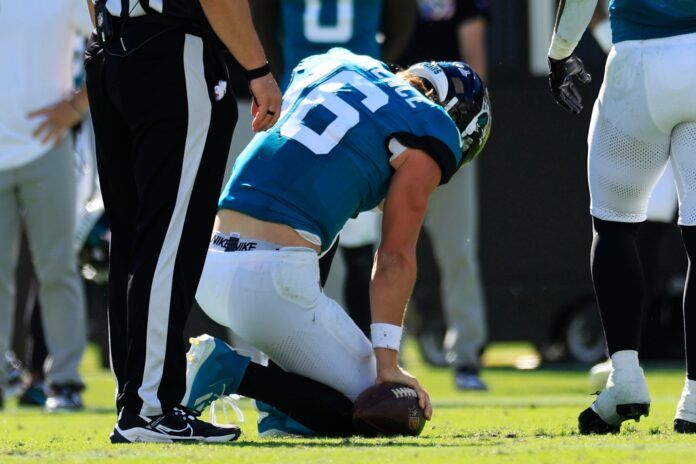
134,8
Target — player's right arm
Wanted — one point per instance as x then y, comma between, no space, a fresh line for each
564,67
394,274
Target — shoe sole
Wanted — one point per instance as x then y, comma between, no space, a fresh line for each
589,422
275,433
141,435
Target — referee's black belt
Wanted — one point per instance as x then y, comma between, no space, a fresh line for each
196,27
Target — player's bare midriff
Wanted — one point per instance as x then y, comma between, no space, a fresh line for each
228,221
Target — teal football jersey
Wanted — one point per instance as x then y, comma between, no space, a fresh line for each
651,19
327,158
311,27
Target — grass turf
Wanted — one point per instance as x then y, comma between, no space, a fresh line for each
527,417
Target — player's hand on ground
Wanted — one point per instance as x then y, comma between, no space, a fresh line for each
396,374
562,76
266,102
57,120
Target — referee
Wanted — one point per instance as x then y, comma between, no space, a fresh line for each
163,120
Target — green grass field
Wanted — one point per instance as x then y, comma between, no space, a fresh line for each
527,417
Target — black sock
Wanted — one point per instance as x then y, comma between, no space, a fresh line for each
618,280
356,289
689,237
651,237
312,404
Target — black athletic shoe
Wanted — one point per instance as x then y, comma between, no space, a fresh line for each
178,425
684,426
64,398
589,422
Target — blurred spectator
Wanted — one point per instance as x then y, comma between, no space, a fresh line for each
294,29
450,30
37,179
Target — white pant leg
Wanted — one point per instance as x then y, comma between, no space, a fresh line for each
684,162
662,205
627,150
273,300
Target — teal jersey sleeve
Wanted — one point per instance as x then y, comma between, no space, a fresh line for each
436,134
651,19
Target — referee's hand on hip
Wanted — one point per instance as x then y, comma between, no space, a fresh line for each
265,106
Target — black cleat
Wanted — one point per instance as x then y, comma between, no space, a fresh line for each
684,426
589,422
633,411
178,425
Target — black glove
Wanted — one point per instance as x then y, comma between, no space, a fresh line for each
561,75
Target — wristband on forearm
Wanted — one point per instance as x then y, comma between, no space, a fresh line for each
255,73
561,49
386,336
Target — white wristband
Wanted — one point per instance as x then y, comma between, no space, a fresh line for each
561,48
386,335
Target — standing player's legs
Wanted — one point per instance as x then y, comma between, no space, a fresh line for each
684,162
47,192
9,253
627,155
453,225
357,243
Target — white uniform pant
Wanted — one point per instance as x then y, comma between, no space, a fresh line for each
273,300
644,116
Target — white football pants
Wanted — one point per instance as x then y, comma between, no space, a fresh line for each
644,116
273,300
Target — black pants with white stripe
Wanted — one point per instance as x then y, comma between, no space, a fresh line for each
162,143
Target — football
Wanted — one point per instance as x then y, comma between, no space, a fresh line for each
388,409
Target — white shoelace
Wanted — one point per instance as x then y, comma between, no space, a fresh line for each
226,401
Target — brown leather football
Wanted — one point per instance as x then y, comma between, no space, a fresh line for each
388,409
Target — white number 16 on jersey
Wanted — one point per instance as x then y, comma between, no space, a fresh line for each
347,117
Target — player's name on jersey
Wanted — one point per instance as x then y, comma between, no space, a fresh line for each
402,88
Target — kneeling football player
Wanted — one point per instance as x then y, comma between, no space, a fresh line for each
352,136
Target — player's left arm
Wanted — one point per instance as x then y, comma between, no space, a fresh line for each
564,67
398,19
394,273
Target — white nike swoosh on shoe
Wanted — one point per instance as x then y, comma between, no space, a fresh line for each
165,429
